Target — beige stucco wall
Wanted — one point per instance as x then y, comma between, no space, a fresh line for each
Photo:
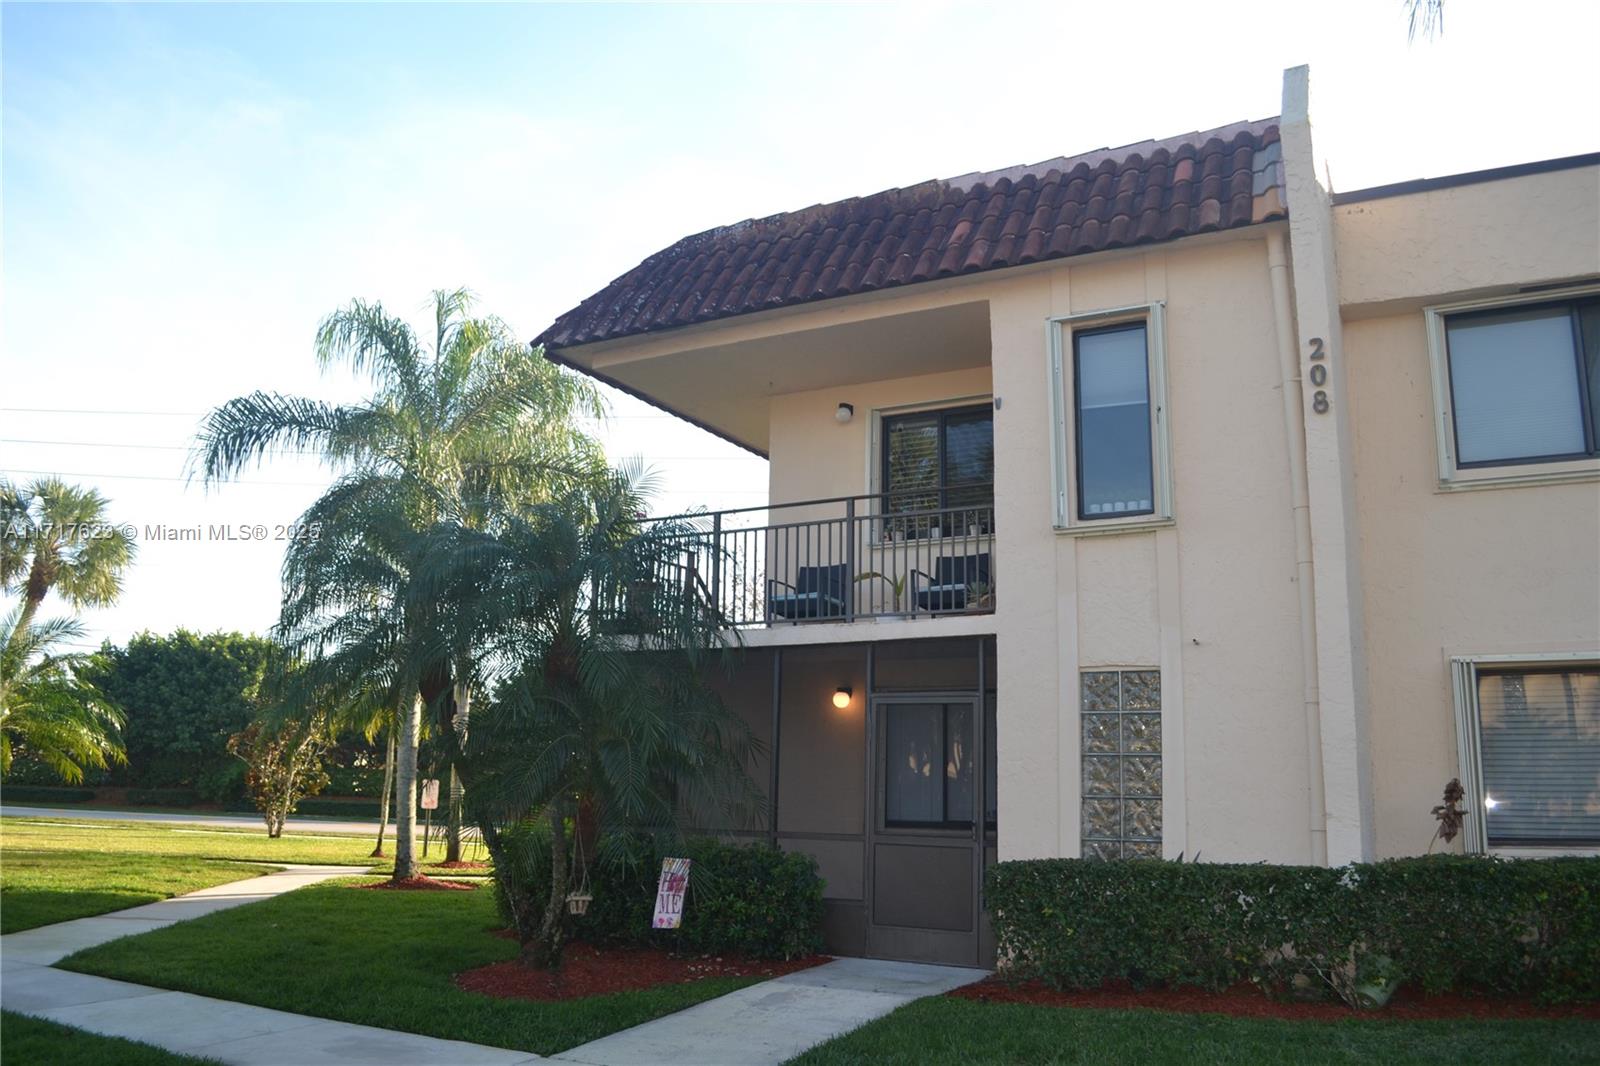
1488,571
1520,231
1211,601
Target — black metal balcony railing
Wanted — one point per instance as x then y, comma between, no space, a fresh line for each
835,560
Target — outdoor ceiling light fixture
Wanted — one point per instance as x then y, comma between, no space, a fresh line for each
841,696
845,412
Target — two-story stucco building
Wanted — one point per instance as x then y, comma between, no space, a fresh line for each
1150,502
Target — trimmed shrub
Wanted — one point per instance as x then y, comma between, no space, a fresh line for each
749,899
45,794
1522,927
162,797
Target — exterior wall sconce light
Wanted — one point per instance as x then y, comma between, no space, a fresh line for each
841,697
845,412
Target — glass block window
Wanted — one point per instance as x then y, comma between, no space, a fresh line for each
1121,745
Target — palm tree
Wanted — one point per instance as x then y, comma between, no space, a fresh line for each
1426,16
56,536
449,435
588,725
45,707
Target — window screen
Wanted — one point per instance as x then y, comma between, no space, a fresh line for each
1111,379
928,764
1540,733
1522,382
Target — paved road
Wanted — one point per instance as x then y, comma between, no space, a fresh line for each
296,825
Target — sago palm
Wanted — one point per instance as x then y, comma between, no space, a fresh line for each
45,707
450,433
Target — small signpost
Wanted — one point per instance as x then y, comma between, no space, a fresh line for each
669,893
430,803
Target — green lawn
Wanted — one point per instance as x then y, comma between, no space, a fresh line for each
948,1030
53,870
376,958
26,1041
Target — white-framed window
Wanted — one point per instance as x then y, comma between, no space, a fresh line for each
1108,402
1528,729
1516,386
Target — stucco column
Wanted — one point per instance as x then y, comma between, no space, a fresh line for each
1335,542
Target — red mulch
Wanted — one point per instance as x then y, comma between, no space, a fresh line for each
458,865
421,884
1247,1001
587,970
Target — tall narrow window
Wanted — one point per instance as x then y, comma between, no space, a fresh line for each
938,469
1111,388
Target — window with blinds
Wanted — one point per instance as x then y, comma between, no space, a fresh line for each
1525,383
939,465
1111,378
1539,734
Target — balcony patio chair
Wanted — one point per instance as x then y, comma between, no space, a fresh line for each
817,592
946,588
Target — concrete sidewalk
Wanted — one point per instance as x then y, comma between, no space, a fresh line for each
235,1033
761,1025
772,1022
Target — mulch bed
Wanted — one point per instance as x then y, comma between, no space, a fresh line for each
587,970
1247,1001
459,865
420,884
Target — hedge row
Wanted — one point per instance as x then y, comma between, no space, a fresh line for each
1528,927
45,794
749,899
163,797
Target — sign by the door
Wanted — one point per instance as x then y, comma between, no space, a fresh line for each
669,893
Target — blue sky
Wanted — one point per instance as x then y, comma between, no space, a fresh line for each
187,189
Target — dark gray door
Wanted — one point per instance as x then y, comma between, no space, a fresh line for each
926,761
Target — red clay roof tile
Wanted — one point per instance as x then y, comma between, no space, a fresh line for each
1139,194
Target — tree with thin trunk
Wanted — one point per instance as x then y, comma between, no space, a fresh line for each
450,434
388,791
56,537
284,756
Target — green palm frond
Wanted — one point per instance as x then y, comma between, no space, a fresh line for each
46,707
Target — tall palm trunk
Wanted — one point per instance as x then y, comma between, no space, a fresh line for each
388,791
545,951
463,709
33,594
405,822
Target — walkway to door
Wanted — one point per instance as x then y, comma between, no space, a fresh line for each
760,1025
772,1022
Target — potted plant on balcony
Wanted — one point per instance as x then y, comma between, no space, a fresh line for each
980,596
897,586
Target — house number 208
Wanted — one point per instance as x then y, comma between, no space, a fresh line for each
1319,376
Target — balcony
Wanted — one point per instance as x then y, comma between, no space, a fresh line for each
834,560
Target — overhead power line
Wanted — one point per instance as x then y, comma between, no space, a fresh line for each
156,477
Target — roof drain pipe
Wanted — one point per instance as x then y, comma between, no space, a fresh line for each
1294,426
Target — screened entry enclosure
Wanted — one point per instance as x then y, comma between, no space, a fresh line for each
893,794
